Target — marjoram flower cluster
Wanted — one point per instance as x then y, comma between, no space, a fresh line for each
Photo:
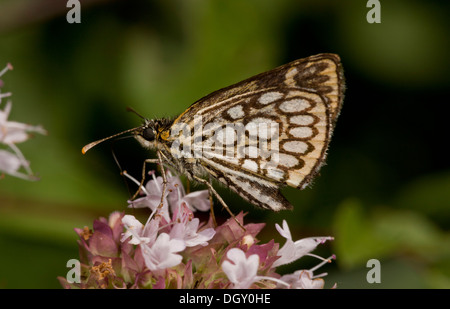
173,249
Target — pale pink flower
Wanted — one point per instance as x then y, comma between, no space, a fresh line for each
179,251
302,279
162,254
12,133
152,197
292,251
11,163
186,228
174,196
134,229
241,270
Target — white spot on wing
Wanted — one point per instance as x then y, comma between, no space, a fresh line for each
295,146
236,112
302,120
250,165
294,106
290,77
287,160
269,97
301,132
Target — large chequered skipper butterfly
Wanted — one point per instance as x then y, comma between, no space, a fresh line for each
256,136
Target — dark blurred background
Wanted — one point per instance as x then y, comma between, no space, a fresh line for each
384,193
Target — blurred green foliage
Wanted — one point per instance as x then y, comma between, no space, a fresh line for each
384,193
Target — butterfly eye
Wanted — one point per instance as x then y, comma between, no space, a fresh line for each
148,134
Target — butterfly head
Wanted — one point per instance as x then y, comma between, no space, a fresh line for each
153,132
146,134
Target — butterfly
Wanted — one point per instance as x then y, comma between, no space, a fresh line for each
266,132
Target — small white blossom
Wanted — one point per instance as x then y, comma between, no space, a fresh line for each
152,197
302,279
12,133
198,200
161,254
187,231
292,251
134,230
10,164
241,271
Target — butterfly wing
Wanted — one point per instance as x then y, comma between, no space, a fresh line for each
293,109
288,150
321,74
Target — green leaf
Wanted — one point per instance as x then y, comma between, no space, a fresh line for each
355,238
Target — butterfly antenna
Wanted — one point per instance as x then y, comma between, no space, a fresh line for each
130,109
90,145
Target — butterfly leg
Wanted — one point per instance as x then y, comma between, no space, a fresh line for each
219,198
211,202
188,186
163,173
144,167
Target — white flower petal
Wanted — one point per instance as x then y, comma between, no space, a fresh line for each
292,251
187,231
198,200
161,254
287,254
9,162
302,279
134,230
241,271
306,245
285,232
